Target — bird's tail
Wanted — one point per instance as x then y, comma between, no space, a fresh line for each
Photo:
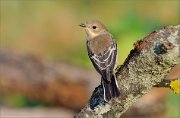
110,89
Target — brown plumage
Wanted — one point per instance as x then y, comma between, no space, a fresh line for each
102,51
100,43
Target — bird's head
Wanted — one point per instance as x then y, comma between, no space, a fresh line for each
93,28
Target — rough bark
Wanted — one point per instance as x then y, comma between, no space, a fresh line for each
152,105
147,65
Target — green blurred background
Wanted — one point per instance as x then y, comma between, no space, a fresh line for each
50,29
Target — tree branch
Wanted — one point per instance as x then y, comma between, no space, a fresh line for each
147,64
46,81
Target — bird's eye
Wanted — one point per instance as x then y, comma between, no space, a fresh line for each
94,27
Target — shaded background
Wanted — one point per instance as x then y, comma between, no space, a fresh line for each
49,29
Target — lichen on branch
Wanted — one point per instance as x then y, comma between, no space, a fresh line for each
147,65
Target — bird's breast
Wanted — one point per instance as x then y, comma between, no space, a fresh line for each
100,44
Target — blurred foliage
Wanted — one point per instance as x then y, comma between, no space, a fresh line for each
18,100
50,28
173,105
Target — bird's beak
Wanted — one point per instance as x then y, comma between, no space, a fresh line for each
82,25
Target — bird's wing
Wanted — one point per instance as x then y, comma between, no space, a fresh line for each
104,63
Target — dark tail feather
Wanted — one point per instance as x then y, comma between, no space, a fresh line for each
110,89
114,87
107,90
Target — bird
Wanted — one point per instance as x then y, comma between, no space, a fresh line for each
102,51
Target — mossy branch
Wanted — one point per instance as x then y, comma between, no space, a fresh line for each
146,66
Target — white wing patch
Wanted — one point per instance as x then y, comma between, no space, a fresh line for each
97,59
111,50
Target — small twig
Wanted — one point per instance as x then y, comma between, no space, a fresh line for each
164,83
